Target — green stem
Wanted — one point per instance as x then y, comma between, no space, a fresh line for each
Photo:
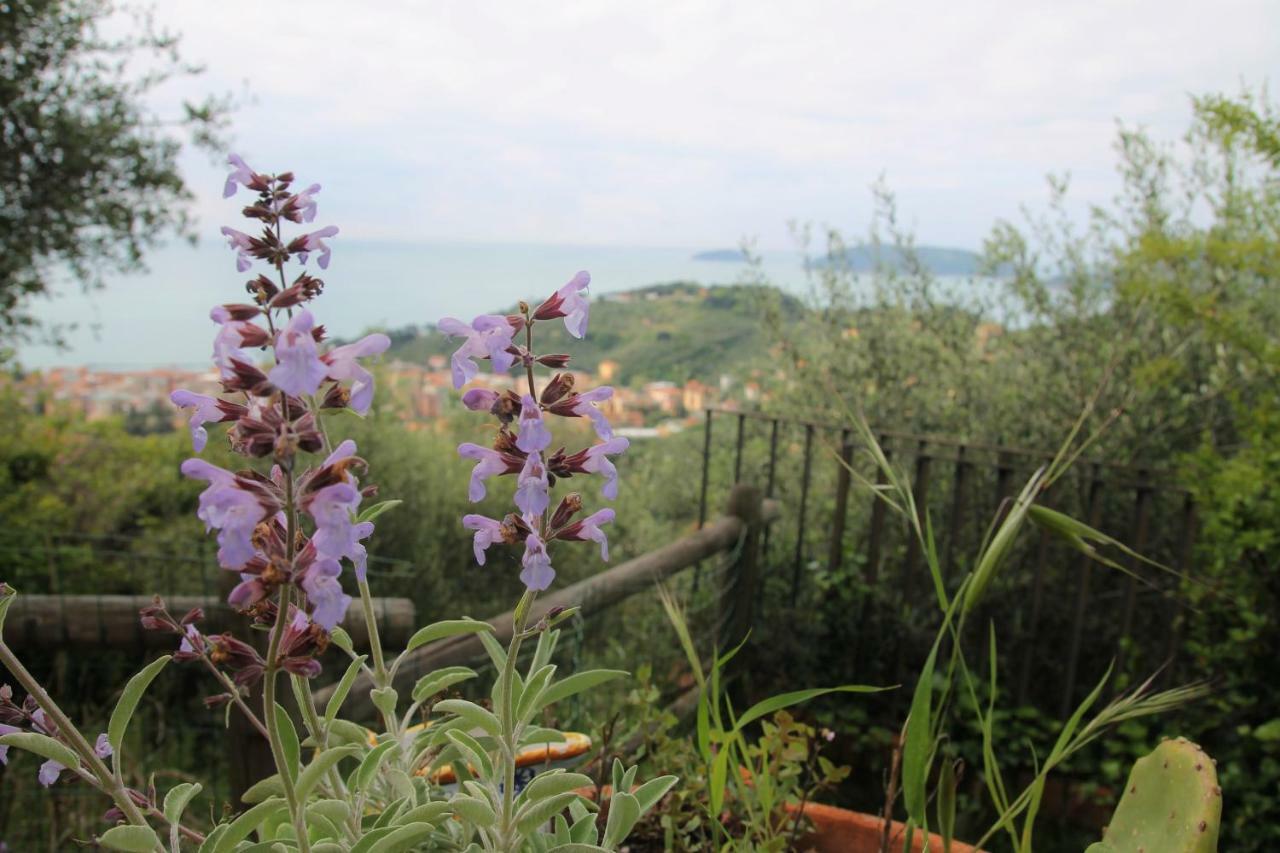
508,836
381,676
269,712
234,692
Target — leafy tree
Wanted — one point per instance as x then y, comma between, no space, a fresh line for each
88,169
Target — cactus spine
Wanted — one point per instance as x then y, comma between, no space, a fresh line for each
1171,804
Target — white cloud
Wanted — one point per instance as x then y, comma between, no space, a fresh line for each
694,123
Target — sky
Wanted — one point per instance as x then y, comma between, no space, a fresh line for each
700,123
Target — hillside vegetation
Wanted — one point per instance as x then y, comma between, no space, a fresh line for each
674,332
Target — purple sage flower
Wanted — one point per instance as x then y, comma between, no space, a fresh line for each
10,730
328,601
314,242
240,174
232,336
49,772
534,435
298,369
490,463
489,335
583,407
192,643
343,366
247,593
345,450
575,306
569,303
204,411
242,243
232,510
598,462
337,534
480,399
305,203
532,488
589,529
488,532
537,573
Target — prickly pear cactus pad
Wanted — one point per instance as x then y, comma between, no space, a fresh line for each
1171,804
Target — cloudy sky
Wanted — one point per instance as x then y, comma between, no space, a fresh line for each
699,122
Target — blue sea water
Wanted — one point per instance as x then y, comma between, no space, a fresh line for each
161,317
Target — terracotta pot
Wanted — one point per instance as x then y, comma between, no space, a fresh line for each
838,830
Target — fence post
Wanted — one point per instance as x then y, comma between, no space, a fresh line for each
739,584
843,479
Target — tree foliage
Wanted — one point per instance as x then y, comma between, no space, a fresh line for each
89,176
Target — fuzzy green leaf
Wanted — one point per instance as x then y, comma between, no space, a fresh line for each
448,628
340,692
5,601
441,679
287,737
472,713
43,746
238,830
402,839
624,811
475,810
177,800
654,790
576,683
369,766
130,838
128,703
372,512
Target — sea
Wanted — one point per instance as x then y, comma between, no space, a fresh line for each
161,317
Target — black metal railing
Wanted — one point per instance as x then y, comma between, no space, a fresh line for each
1054,605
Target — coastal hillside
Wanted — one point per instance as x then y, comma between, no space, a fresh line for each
675,332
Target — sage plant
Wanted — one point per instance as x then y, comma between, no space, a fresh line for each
291,525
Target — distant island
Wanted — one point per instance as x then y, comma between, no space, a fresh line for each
940,260
722,256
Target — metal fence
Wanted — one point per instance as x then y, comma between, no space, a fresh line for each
1061,617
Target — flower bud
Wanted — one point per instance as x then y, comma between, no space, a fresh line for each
551,308
505,442
571,505
507,407
246,377
241,311
262,288
560,385
336,397
254,336
215,701
557,361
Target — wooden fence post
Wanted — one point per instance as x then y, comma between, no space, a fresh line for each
739,586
